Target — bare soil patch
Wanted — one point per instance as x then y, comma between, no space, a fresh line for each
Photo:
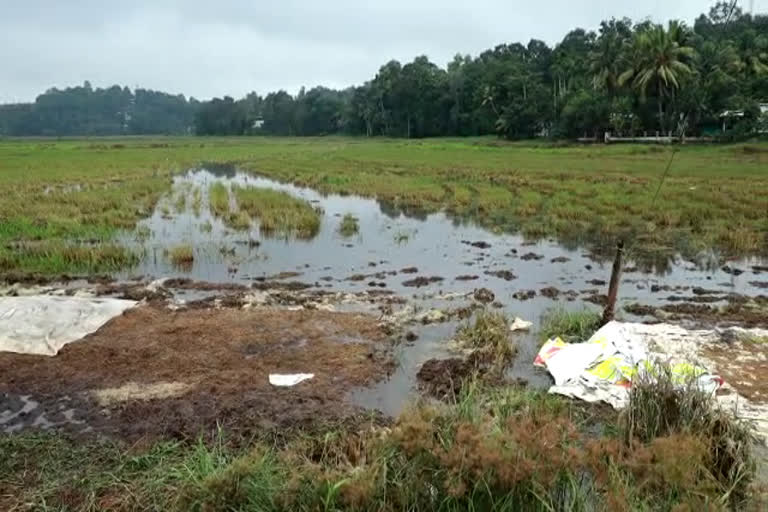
744,366
219,361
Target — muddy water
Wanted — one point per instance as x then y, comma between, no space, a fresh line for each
391,240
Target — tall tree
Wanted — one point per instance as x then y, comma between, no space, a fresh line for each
659,60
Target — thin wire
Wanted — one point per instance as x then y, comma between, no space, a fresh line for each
664,176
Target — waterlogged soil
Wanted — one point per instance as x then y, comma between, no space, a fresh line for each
157,372
250,303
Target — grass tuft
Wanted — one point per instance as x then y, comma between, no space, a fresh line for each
571,326
182,255
349,225
279,213
218,196
662,405
489,335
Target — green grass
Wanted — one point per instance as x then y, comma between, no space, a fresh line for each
714,196
279,213
489,335
218,196
571,326
197,200
493,449
349,225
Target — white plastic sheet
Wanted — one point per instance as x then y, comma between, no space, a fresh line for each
601,368
287,380
42,324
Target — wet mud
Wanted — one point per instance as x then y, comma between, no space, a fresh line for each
212,364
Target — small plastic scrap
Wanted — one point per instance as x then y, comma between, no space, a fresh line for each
287,380
520,325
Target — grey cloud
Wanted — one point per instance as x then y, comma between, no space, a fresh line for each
206,49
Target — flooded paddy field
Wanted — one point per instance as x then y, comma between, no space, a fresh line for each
421,274
242,274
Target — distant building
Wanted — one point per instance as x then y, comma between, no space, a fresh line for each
732,115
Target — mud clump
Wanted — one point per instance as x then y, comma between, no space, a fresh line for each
759,284
640,309
294,286
285,275
697,290
597,298
596,282
484,295
357,277
560,259
467,278
531,256
732,270
189,284
550,292
701,299
524,294
479,245
444,378
688,308
409,270
506,275
418,282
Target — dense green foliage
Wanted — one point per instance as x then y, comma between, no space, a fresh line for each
625,78
84,110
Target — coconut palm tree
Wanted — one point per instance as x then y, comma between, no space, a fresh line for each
753,52
659,58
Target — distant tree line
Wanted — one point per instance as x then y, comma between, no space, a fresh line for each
84,110
625,78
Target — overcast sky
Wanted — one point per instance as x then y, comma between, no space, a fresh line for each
207,48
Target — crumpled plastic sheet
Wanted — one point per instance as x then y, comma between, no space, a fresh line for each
43,324
601,369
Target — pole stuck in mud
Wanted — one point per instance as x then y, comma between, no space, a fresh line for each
613,287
